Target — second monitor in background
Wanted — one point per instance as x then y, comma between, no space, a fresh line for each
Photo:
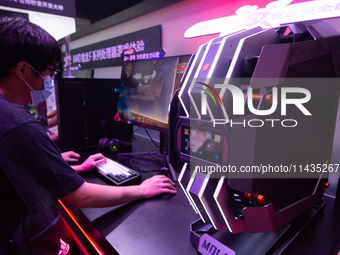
147,88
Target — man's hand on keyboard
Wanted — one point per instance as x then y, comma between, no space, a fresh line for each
157,185
70,156
90,163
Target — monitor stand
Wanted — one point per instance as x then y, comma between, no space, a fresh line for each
163,138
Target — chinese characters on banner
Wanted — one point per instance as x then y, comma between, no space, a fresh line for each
59,7
132,55
274,14
110,52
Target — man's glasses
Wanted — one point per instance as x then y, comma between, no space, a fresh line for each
54,73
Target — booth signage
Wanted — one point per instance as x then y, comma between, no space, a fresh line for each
152,54
275,13
110,52
58,7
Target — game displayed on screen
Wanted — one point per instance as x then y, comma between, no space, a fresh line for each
200,143
147,88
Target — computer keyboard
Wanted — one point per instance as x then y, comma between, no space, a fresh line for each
118,174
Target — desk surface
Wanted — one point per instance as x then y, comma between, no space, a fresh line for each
155,226
161,225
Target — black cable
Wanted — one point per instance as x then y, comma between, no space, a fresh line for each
143,155
148,154
151,138
136,129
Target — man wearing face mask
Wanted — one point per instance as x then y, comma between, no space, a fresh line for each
41,95
38,96
33,175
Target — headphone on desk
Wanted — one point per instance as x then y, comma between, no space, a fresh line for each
107,145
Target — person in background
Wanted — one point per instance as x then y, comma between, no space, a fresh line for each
33,173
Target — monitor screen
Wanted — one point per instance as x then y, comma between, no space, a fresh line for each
86,110
147,88
201,143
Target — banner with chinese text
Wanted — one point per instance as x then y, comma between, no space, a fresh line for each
109,52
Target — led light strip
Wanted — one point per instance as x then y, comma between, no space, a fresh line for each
95,246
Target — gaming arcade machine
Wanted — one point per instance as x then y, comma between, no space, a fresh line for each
251,133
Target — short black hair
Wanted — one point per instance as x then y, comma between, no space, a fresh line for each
21,40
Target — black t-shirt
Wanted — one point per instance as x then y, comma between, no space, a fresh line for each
33,175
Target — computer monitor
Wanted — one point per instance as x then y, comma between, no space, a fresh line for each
86,110
147,87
